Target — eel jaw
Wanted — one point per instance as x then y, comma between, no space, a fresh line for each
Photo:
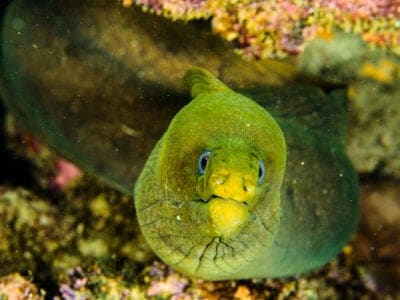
227,216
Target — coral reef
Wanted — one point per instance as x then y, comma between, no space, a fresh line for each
16,287
373,90
375,109
95,283
341,279
281,27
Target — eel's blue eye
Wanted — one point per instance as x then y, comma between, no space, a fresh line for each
261,171
203,160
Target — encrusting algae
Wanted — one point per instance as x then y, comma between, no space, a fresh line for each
16,287
277,28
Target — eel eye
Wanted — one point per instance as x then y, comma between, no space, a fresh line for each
203,160
261,171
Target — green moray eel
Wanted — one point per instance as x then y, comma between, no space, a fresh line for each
232,192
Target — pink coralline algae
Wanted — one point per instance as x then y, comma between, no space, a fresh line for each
175,8
65,173
277,28
377,8
172,286
165,283
16,287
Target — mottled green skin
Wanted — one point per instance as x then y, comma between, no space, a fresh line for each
299,217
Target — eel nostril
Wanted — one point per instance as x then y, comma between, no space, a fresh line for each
219,179
249,188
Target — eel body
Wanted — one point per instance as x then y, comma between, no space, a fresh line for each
232,191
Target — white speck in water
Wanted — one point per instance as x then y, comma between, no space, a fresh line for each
324,191
140,74
340,174
372,248
44,220
34,46
134,43
121,51
302,163
130,131
248,124
178,218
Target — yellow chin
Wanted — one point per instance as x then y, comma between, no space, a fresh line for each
227,216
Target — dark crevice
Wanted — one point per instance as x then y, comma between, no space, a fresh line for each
15,170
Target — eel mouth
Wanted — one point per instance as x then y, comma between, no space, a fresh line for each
227,216
221,198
